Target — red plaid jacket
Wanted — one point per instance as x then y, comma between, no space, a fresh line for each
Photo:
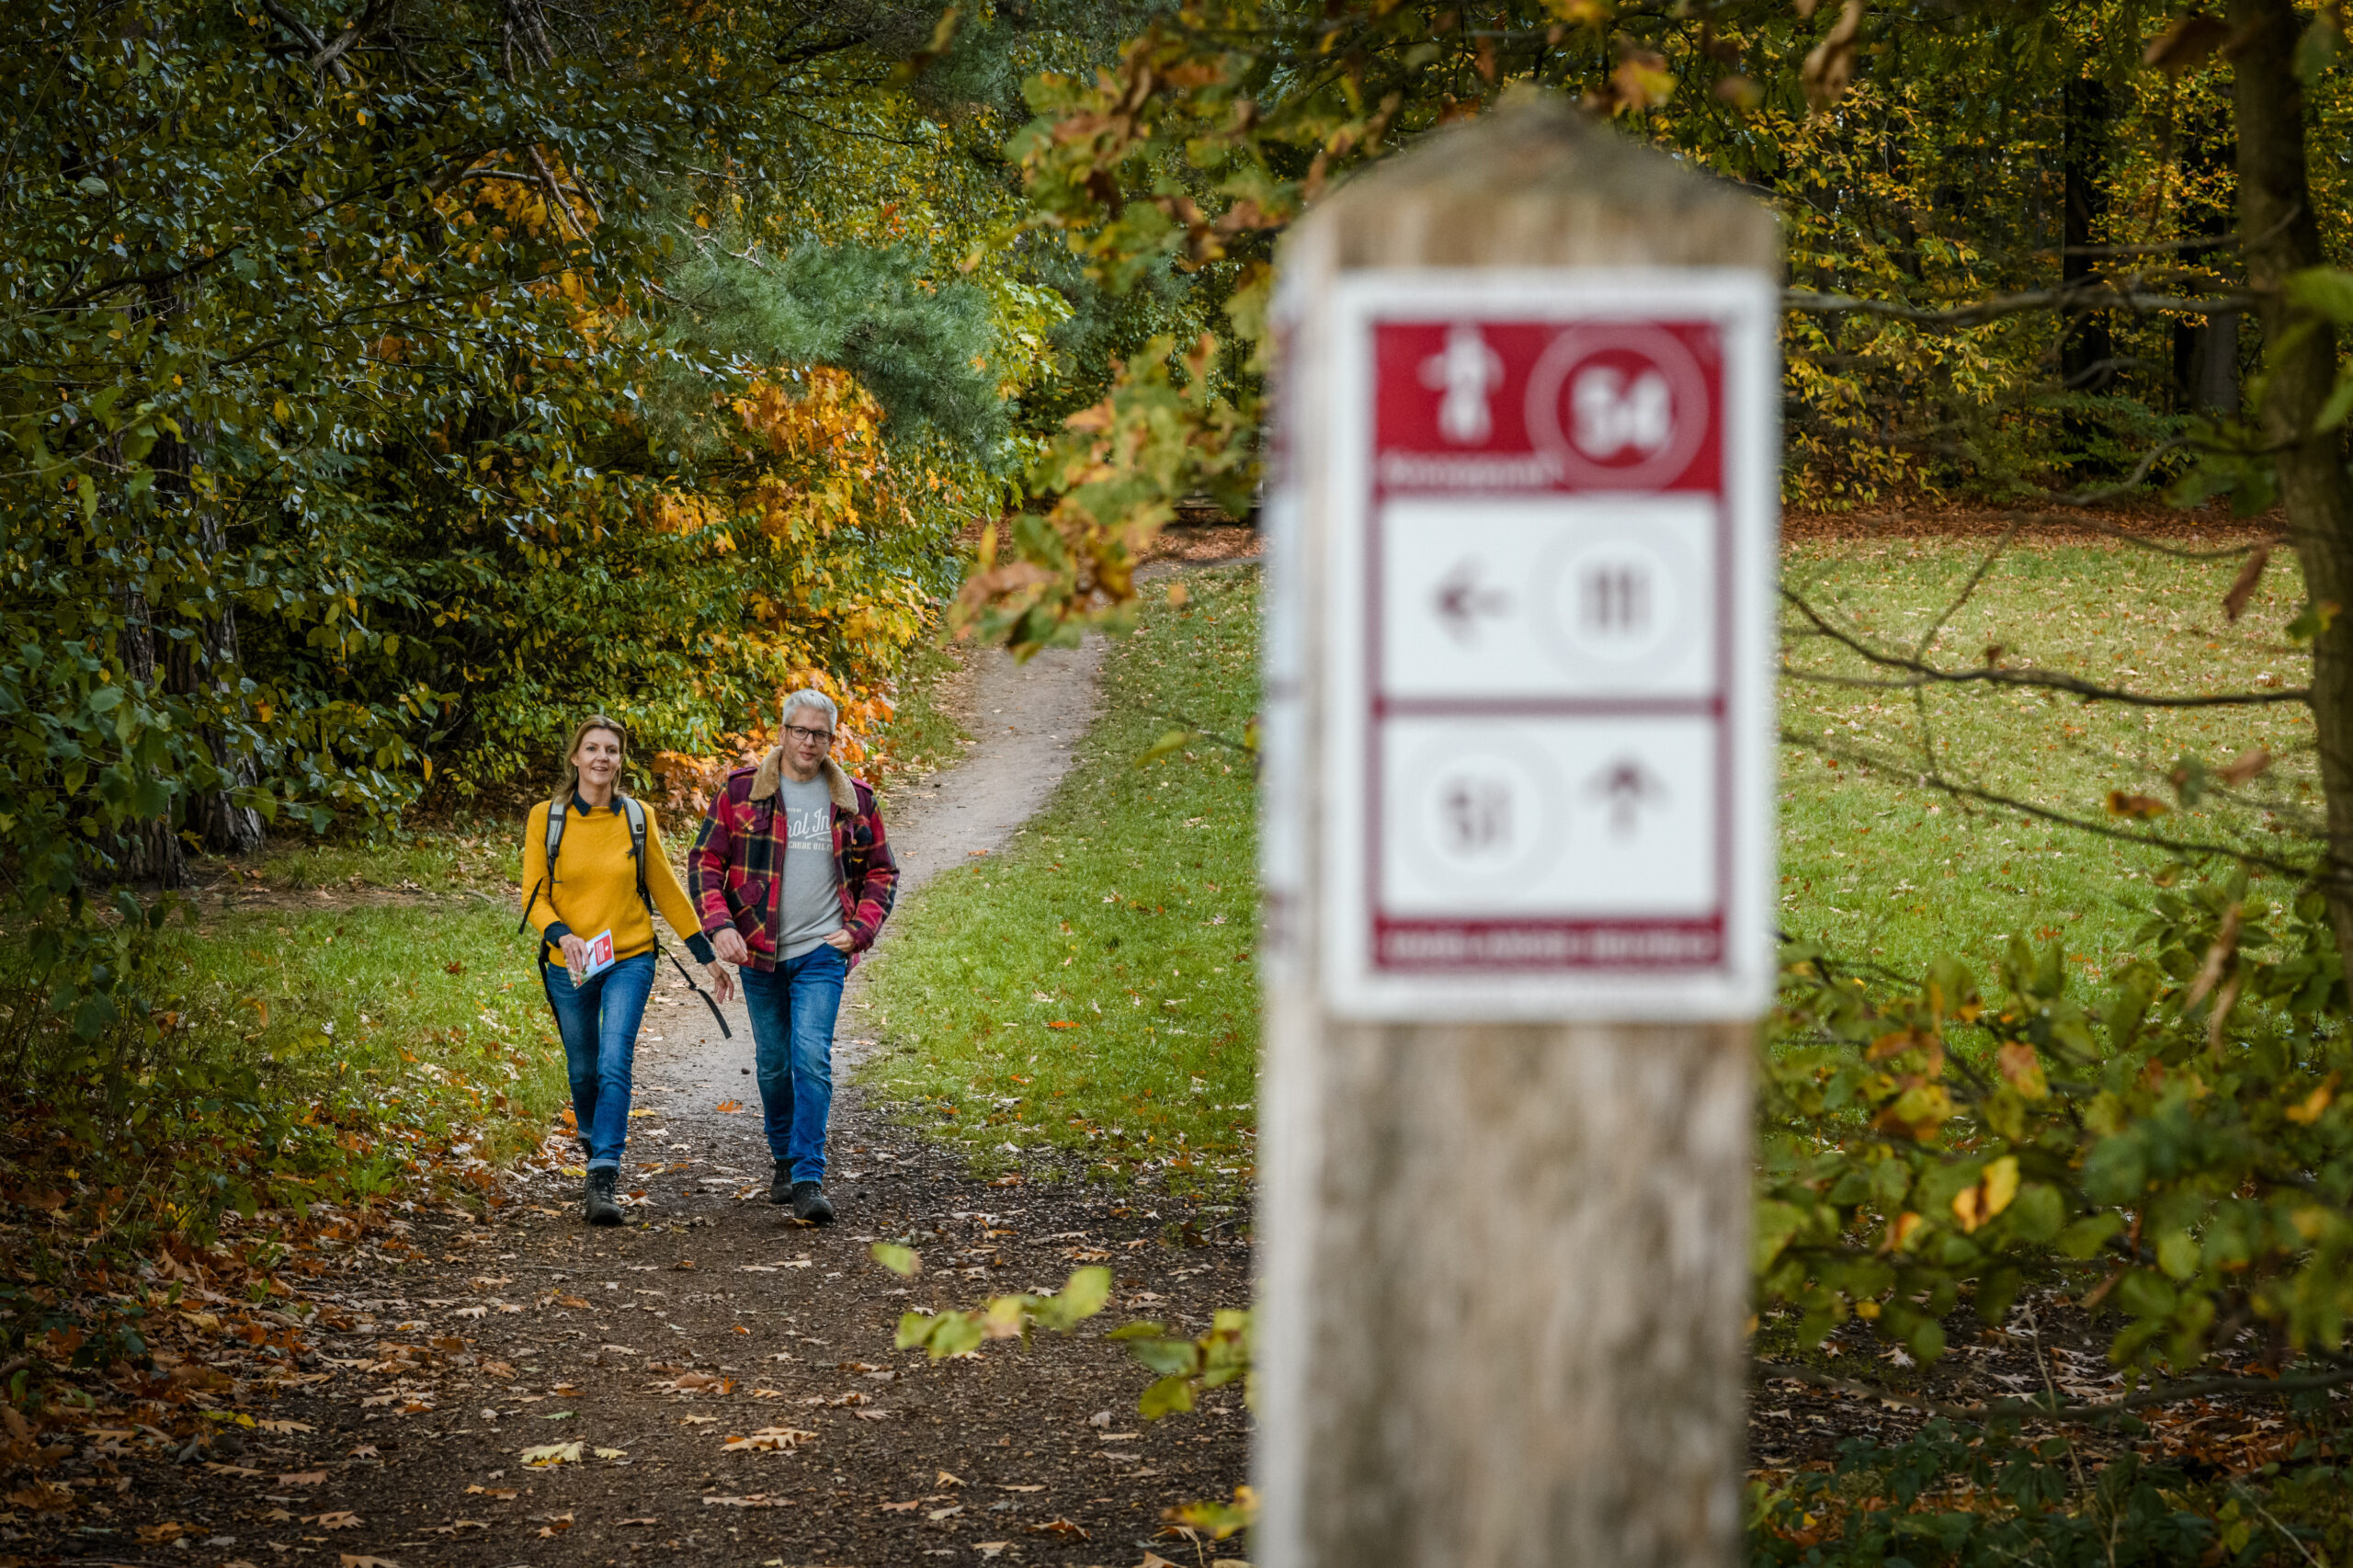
735,871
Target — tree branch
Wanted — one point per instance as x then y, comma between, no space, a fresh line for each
1935,779
2202,1388
310,39
2096,297
1923,673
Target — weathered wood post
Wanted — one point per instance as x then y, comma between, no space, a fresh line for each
1517,855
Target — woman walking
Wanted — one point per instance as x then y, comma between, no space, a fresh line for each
593,867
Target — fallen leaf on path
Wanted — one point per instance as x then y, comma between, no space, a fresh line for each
1153,1559
502,1493
1066,1528
214,1469
696,1420
365,1451
871,1415
286,1427
948,1512
770,1439
1001,1487
557,1524
552,1454
343,1521
347,1560
683,1264
908,1507
303,1478
749,1500
620,1523
947,1479
989,1548
729,1107
570,1301
169,1530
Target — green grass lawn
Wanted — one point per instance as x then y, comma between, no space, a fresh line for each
1873,866
1092,989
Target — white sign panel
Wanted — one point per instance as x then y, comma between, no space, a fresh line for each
1547,694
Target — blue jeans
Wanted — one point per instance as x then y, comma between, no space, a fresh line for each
792,1009
598,1020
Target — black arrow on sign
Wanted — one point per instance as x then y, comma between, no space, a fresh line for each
1461,602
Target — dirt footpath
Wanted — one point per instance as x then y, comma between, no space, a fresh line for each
714,1382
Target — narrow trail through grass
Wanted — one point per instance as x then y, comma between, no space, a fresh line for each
1094,987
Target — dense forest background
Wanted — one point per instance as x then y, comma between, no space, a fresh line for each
384,384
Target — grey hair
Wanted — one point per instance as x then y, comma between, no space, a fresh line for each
808,697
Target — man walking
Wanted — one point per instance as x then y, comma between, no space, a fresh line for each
792,880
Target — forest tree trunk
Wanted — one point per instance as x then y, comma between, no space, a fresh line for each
200,668
146,852
2087,350
2280,234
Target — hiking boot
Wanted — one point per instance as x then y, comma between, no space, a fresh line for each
601,1208
809,1203
780,1188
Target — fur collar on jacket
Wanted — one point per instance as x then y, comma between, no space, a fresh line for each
771,772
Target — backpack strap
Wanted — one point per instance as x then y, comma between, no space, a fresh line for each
635,812
556,810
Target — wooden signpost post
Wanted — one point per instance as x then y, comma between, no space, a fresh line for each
1518,856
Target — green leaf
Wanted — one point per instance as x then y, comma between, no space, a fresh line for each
900,1260
2316,50
2339,404
2324,290
1773,1224
1165,1397
1081,1297
1170,1357
2085,1237
1172,740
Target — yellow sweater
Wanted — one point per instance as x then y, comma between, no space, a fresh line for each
595,884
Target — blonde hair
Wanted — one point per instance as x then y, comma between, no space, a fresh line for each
568,784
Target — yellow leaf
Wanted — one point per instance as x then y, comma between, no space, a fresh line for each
2309,1111
2023,1067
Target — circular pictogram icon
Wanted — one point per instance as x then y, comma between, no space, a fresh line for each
1486,812
1618,407
1614,600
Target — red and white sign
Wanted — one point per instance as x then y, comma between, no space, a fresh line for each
1548,566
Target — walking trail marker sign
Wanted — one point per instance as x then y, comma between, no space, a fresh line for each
1515,855
1551,566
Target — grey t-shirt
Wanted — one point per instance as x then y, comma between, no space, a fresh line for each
811,910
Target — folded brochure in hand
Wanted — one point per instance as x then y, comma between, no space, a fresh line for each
600,955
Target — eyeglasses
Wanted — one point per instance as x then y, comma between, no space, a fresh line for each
814,737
